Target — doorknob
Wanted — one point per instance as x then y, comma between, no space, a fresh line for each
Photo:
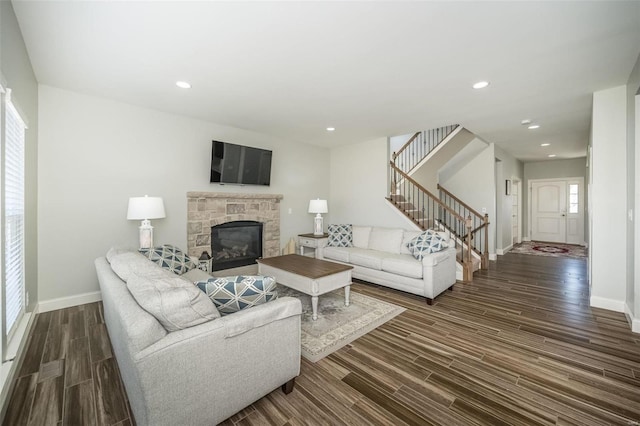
563,215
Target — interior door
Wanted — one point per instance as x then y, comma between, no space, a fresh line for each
515,212
549,211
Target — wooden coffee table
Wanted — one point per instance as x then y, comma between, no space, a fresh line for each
307,275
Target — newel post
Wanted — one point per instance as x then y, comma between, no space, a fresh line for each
468,264
485,255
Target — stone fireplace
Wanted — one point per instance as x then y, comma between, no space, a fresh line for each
207,210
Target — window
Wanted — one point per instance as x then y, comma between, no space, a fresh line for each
573,198
13,142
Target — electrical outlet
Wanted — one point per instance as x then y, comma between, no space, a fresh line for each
484,210
290,210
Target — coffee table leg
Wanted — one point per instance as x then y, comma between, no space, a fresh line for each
347,290
314,307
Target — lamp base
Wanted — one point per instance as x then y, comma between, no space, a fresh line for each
146,234
317,225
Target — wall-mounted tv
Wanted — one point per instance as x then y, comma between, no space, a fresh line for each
242,165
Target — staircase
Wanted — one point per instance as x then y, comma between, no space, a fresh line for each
467,228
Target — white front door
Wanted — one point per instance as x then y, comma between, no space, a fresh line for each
549,211
557,210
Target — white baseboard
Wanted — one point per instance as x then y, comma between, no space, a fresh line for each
608,304
504,250
526,239
635,321
67,302
493,256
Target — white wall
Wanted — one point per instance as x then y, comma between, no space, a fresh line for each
359,185
17,74
609,216
475,184
633,194
96,153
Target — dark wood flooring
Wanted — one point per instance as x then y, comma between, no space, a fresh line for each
518,346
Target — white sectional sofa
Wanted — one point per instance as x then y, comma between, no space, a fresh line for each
380,255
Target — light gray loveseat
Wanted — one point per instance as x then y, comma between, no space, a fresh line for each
380,255
202,374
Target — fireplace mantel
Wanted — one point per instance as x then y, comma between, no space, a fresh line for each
207,209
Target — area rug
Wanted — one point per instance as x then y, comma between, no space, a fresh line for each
550,249
338,325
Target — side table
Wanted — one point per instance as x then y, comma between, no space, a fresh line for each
309,243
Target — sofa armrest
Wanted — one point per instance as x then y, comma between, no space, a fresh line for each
432,259
235,324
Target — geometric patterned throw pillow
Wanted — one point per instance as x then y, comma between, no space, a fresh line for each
427,242
340,236
170,257
232,294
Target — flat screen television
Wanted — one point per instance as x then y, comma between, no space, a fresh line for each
242,165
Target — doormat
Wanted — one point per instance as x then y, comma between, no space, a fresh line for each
550,249
338,325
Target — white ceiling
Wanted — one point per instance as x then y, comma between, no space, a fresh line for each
370,69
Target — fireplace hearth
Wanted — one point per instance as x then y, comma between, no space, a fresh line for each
234,244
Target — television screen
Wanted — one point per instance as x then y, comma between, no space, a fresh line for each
239,164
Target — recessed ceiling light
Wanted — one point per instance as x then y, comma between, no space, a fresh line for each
183,85
545,144
534,126
330,129
525,122
481,85
551,155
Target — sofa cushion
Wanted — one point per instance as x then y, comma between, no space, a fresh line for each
196,274
171,258
386,239
427,242
340,254
174,301
368,258
402,264
232,294
361,236
406,239
340,235
114,251
124,264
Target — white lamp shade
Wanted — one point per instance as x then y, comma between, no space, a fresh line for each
145,208
318,206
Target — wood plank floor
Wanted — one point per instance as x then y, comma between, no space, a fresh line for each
518,346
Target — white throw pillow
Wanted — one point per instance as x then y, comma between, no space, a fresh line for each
174,301
361,236
386,239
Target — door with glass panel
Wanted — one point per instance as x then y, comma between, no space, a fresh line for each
575,211
557,210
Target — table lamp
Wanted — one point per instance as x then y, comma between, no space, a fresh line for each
145,208
318,206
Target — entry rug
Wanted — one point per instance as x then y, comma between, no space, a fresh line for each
550,249
338,325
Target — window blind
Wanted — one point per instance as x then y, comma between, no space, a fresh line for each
13,204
